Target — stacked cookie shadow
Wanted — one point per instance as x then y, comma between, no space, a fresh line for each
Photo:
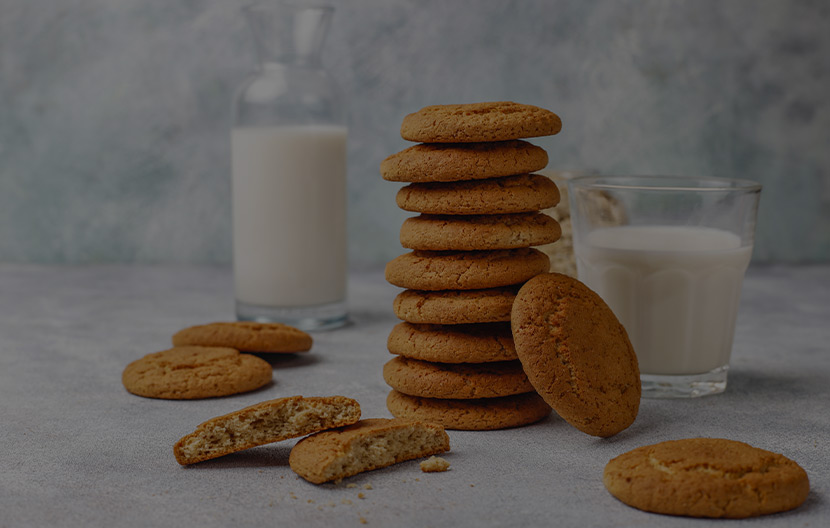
471,181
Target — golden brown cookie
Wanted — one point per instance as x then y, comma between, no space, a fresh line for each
706,477
511,194
455,306
478,232
191,372
475,343
367,445
264,423
577,354
465,270
459,162
471,415
248,336
458,381
490,121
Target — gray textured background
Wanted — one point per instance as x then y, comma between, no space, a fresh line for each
115,114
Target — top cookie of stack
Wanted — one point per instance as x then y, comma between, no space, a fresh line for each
471,181
471,178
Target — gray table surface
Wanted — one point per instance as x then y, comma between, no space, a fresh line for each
77,450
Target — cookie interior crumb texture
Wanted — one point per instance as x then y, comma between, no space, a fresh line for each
434,464
367,445
263,423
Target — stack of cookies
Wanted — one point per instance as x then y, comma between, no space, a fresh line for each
471,179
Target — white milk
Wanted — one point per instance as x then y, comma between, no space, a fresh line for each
675,289
289,215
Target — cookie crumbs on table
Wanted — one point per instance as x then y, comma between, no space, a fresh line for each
434,464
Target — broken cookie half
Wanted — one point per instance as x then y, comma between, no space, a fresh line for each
366,445
263,423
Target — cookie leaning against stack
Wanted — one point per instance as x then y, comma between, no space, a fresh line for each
470,179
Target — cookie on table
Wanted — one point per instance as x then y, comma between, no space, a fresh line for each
264,423
475,343
463,381
248,336
512,194
465,270
706,477
460,162
192,372
367,445
455,306
474,122
478,232
471,415
577,354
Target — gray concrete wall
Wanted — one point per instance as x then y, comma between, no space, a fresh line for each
115,114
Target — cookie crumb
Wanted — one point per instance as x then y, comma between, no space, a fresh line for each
351,485
367,486
434,464
345,501
361,496
363,520
310,501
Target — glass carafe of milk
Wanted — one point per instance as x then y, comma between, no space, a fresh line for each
289,175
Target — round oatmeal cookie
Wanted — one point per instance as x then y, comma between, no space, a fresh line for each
523,193
465,270
459,162
192,372
455,306
478,232
706,477
470,415
577,354
248,336
474,122
458,381
475,343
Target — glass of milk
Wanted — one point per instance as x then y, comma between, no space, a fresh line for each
668,255
288,166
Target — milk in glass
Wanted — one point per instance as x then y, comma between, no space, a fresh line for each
675,289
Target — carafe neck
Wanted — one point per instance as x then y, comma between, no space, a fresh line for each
288,34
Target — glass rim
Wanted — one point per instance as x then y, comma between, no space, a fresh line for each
664,183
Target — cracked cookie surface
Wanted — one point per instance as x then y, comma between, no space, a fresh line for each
192,372
474,343
455,307
248,336
458,381
706,477
472,122
576,354
478,232
470,415
457,162
512,194
465,270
